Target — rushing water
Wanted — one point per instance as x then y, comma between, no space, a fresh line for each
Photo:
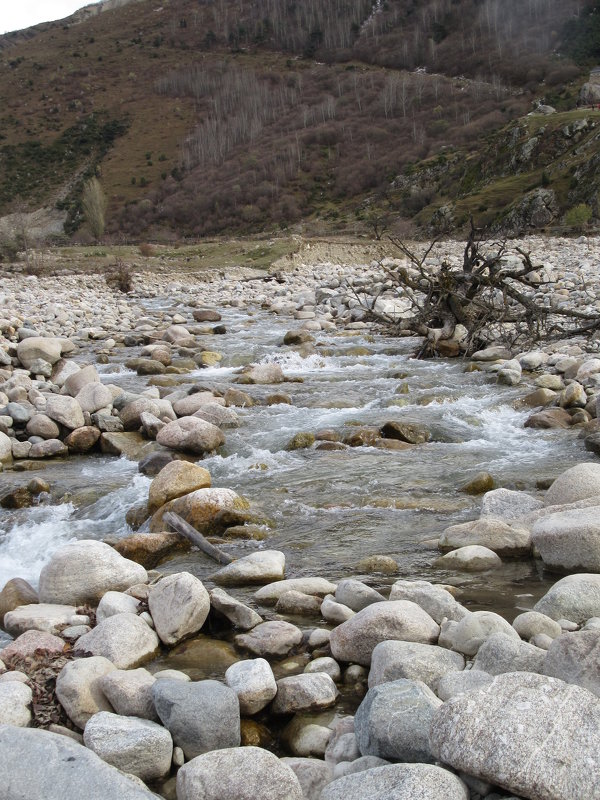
329,508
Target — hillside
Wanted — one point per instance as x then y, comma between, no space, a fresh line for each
220,116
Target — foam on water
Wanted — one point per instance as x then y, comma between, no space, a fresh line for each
26,547
258,460
38,531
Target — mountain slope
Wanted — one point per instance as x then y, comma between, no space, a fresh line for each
213,116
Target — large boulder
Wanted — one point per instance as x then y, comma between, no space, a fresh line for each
174,480
393,721
133,745
31,641
81,572
93,397
575,658
530,734
46,348
577,483
201,509
76,381
179,605
263,566
38,764
418,662
124,639
78,688
355,639
398,782
5,448
200,716
65,410
569,539
192,435
576,598
243,773
188,405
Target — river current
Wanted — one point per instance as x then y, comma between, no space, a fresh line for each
329,509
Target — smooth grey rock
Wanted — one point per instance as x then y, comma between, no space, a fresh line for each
133,745
116,603
79,690
532,623
276,638
313,775
263,566
393,721
129,692
15,702
124,639
359,765
298,604
40,617
501,653
253,682
201,716
421,662
334,612
243,773
533,735
93,397
240,615
435,600
508,505
471,558
81,572
271,593
342,746
83,377
575,598
69,770
304,692
569,539
495,534
305,736
455,683
472,631
575,658
327,665
356,594
577,483
47,348
192,435
398,782
355,639
179,605
65,410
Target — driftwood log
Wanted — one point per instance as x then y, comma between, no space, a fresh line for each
196,538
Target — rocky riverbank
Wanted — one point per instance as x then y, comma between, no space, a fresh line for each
450,702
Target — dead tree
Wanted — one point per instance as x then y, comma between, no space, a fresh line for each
490,298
